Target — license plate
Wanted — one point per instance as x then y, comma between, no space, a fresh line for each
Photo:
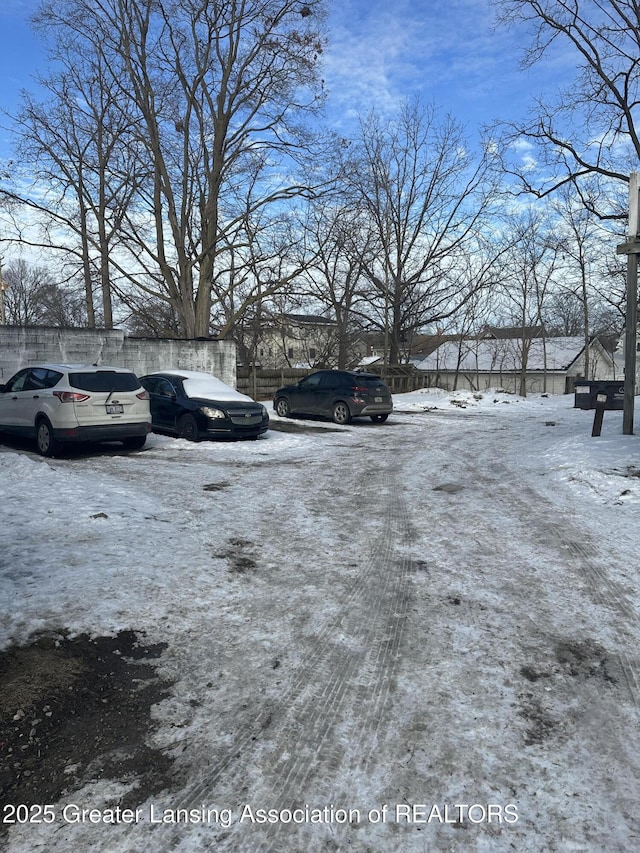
115,409
378,399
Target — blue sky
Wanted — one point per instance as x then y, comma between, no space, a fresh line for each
20,57
445,50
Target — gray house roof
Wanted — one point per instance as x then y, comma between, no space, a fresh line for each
308,319
526,332
505,355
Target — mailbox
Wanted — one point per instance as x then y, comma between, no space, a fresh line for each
589,394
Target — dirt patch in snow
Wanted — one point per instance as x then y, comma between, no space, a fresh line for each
74,710
239,561
586,659
449,488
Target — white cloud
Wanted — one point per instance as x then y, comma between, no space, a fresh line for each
449,53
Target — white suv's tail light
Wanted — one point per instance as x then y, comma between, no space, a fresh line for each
143,395
70,396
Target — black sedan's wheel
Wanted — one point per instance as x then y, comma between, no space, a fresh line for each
188,428
136,442
46,443
341,413
378,419
282,408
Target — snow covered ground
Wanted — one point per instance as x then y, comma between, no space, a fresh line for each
421,635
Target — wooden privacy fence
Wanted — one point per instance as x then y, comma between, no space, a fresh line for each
262,383
402,378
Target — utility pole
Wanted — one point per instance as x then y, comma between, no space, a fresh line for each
631,249
3,287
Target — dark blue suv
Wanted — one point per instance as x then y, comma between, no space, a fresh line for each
338,394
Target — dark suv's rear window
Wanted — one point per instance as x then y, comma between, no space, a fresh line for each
373,381
104,380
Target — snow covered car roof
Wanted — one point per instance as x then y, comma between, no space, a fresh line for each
204,385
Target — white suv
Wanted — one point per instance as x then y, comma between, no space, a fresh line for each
58,403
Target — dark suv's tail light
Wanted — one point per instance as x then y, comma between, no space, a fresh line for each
70,396
358,389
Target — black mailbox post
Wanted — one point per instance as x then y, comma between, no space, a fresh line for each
586,394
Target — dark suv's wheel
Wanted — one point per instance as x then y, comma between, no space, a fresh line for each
188,428
341,413
378,419
45,441
282,407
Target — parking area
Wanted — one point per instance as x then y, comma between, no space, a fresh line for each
373,627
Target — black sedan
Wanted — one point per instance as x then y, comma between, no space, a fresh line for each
338,394
195,405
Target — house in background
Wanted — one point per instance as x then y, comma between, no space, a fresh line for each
304,341
527,333
551,365
620,356
422,345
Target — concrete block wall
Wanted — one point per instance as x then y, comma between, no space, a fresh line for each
21,346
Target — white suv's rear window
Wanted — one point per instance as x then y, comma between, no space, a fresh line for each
104,380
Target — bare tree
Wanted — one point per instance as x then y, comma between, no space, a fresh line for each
76,141
564,313
528,275
150,318
212,94
590,128
424,196
583,243
33,298
471,319
341,250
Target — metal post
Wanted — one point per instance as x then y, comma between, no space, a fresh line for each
3,316
601,402
630,343
631,249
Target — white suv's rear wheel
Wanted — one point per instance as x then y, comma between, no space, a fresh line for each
136,442
46,443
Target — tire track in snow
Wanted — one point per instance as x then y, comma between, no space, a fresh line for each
612,595
604,590
339,692
376,625
536,511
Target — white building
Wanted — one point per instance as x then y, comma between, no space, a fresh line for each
545,364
